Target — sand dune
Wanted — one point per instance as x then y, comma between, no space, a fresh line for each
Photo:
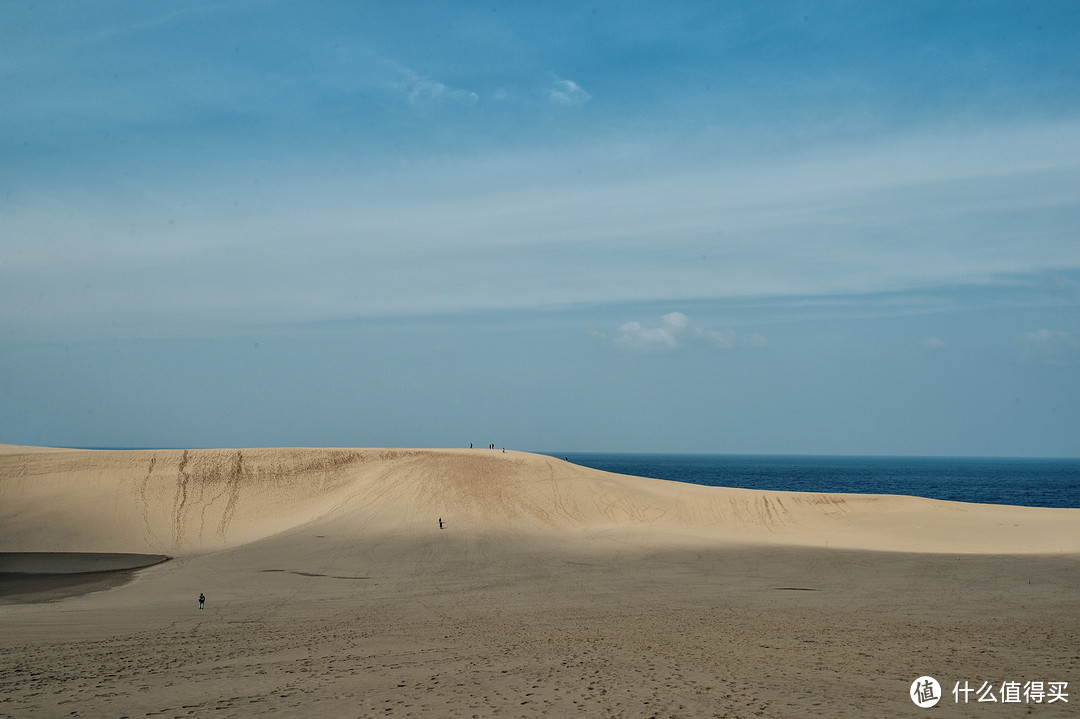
184,502
554,590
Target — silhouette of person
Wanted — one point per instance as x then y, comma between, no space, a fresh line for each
202,600
440,522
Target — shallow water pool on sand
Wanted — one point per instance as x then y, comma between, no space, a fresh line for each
31,577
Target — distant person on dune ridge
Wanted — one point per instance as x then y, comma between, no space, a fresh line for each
202,600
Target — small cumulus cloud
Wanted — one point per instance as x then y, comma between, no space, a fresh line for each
934,344
568,93
637,337
675,331
1051,347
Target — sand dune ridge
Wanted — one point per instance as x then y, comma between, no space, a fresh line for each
183,502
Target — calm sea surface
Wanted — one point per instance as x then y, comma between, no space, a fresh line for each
1028,482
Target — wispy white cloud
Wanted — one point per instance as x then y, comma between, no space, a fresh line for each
568,93
934,344
676,331
419,89
1050,347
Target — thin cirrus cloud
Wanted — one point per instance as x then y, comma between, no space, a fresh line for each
676,331
1050,347
442,236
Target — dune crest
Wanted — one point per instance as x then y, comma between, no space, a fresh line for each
186,502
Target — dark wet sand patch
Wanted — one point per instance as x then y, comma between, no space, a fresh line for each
33,577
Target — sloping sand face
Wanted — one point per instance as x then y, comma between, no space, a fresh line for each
551,590
169,502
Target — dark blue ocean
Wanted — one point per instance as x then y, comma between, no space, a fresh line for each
1027,482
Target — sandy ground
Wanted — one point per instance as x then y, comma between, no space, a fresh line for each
553,590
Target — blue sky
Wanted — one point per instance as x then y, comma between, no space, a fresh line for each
696,227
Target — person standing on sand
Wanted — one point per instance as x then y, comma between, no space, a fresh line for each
202,600
440,522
